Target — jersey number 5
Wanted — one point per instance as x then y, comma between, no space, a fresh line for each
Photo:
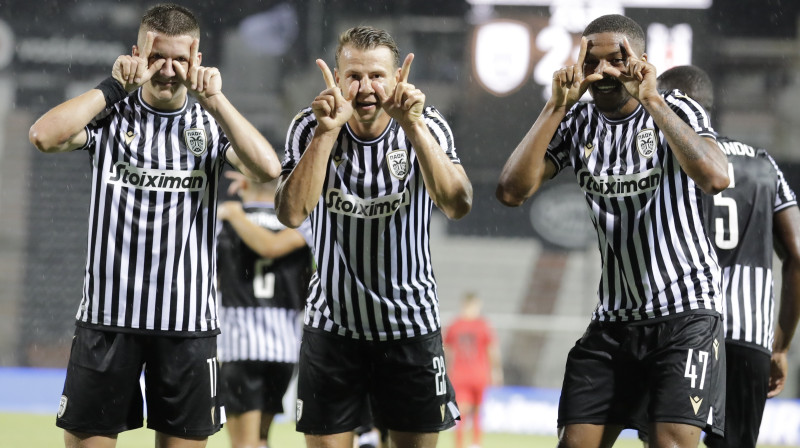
727,238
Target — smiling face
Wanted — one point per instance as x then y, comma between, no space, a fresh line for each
365,66
610,96
165,89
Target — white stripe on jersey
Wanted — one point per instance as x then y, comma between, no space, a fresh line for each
259,334
151,243
371,234
749,308
657,259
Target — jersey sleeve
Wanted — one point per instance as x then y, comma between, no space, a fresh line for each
690,112
95,127
558,148
441,132
784,195
297,138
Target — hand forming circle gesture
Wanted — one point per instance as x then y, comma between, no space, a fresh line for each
133,71
639,78
407,102
202,82
569,83
331,109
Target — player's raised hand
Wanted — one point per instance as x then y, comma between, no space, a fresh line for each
569,83
406,103
330,107
202,82
638,77
133,71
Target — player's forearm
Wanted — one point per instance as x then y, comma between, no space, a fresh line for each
61,128
525,170
446,182
299,191
254,151
699,157
264,242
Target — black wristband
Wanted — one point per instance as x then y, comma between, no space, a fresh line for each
112,90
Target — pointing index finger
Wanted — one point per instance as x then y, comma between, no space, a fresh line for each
406,68
148,45
582,54
627,47
326,73
193,62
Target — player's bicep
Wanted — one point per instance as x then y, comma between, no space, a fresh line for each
786,233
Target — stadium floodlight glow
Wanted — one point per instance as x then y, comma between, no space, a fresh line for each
671,4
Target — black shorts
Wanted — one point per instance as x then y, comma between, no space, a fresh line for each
405,380
629,374
102,394
254,385
747,387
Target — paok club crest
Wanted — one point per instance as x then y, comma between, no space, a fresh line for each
398,163
195,140
646,142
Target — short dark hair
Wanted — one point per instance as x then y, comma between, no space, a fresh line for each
691,80
171,20
367,38
615,23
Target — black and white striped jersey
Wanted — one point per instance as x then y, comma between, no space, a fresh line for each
374,278
260,299
657,260
740,222
151,261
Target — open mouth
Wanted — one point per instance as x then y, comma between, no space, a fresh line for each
605,86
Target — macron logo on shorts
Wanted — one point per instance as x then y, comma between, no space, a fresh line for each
299,410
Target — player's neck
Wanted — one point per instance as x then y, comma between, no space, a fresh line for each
369,130
623,111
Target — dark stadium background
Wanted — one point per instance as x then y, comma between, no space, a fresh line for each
51,50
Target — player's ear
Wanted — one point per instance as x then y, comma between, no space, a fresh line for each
199,58
135,50
336,75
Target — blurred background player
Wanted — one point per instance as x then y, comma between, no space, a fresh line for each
757,211
264,269
473,363
158,132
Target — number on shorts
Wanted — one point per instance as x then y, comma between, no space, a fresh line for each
691,368
263,281
212,373
441,383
